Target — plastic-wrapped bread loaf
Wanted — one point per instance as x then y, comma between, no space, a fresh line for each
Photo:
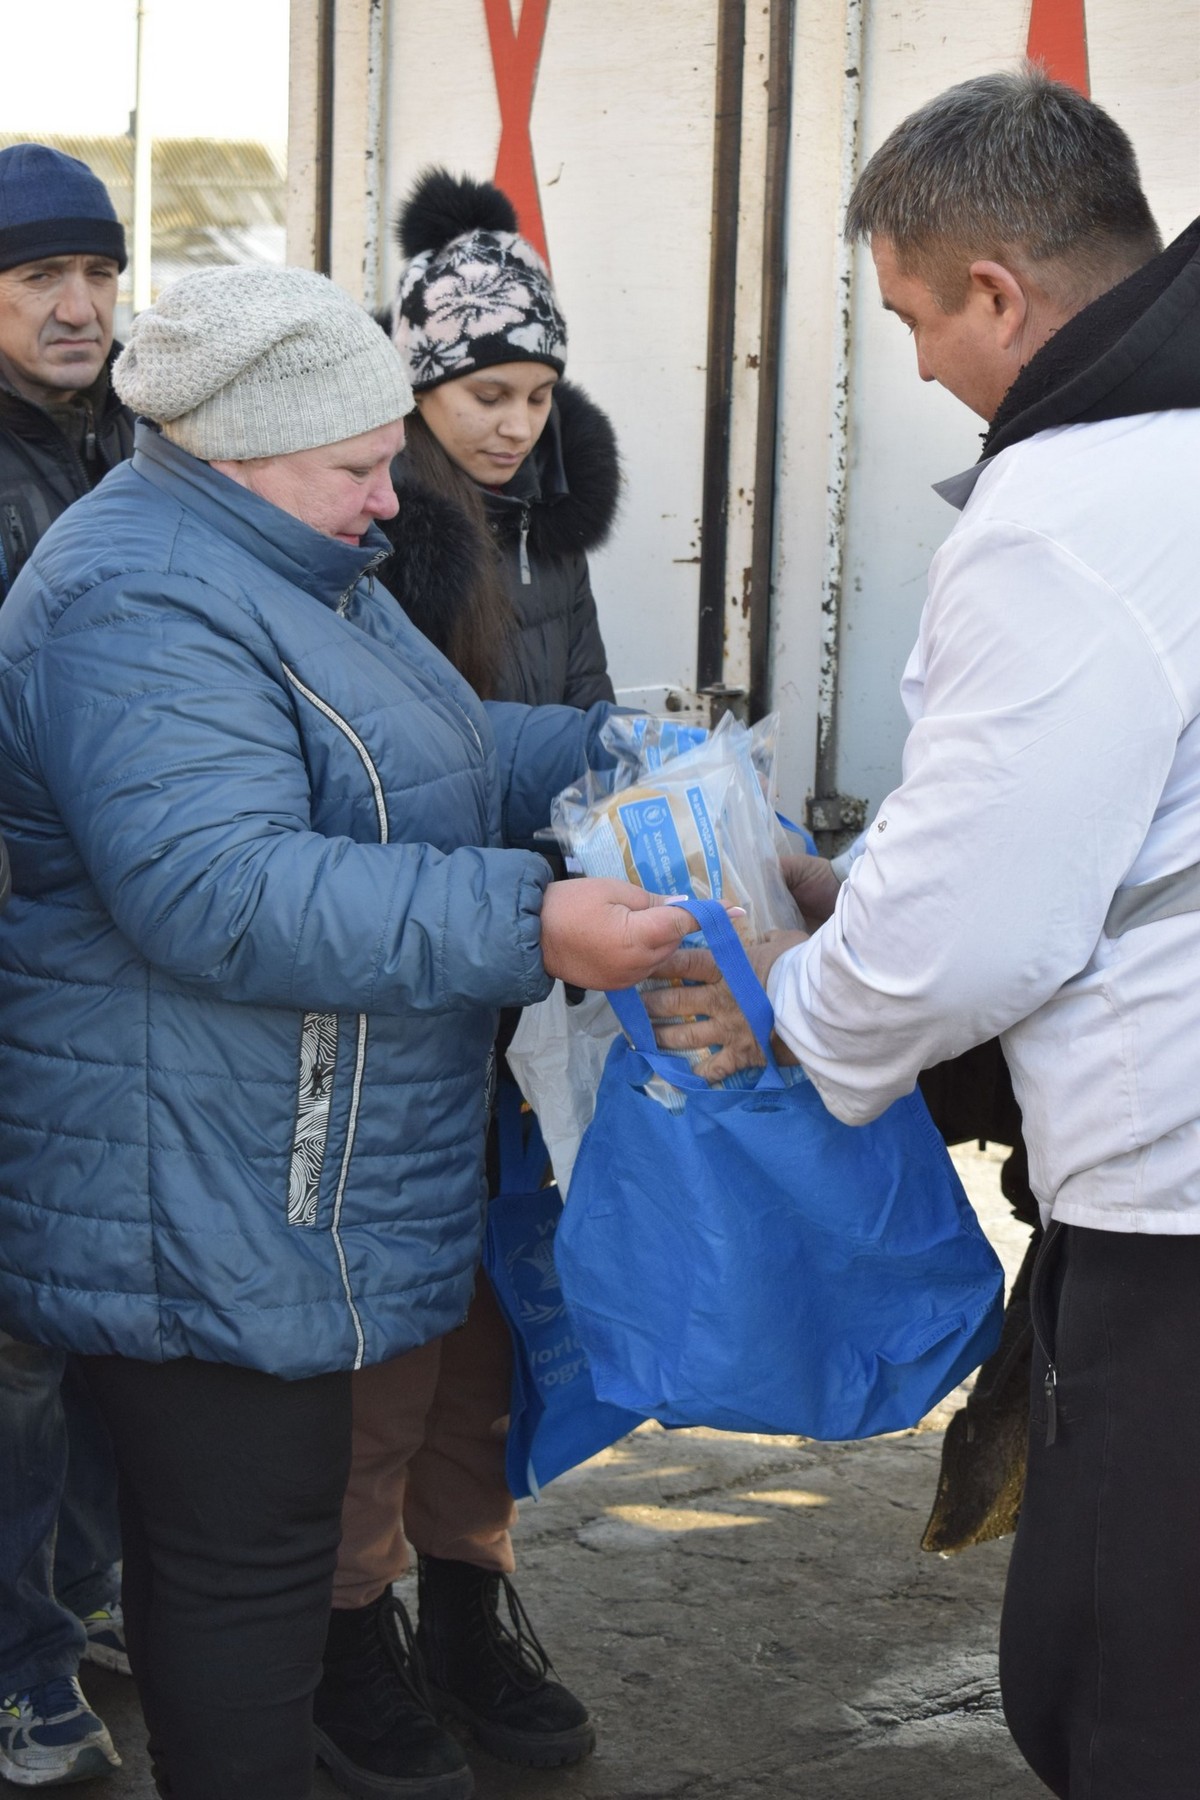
694,822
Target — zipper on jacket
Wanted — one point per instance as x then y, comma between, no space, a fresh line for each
89,436
360,1058
348,732
523,549
20,545
470,725
1042,1335
16,535
376,561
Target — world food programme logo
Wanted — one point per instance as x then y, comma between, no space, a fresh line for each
541,1260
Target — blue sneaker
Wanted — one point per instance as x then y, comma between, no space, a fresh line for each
106,1638
49,1734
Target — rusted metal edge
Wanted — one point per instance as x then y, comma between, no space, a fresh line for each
835,815
774,283
326,56
722,295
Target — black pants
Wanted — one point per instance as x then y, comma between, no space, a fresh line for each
231,1487
1100,1642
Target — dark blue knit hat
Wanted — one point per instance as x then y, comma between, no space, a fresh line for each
52,205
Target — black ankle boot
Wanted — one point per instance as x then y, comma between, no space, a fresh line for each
493,1673
372,1716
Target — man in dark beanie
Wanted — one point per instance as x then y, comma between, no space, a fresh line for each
62,428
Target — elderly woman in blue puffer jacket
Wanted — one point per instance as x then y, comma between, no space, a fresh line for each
262,921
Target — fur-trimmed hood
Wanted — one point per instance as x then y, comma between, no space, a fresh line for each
567,492
570,485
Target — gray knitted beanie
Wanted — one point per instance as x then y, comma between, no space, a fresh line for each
252,361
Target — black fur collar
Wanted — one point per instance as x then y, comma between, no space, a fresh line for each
576,481
1136,349
438,554
578,475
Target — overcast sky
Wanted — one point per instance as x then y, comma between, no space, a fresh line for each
218,67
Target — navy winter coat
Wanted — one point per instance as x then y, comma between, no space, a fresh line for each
259,931
41,474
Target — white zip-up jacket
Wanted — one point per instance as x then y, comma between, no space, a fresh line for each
1054,758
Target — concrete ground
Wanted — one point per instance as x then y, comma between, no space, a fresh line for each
751,1618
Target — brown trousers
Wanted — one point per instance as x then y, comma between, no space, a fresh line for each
427,1467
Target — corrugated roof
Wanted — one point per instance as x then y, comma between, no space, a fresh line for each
213,200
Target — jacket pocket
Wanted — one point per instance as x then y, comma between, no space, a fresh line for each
318,1057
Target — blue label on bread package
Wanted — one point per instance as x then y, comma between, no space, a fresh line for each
673,740
658,856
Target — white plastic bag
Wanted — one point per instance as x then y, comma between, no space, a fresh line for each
556,1056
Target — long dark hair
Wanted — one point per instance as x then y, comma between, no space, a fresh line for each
472,633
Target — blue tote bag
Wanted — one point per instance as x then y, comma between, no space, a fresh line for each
748,1262
555,1419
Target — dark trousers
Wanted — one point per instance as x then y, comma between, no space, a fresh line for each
231,1488
59,1540
1100,1641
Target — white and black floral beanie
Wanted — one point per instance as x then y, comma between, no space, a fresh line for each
473,291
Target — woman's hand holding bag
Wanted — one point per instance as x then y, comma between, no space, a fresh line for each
598,933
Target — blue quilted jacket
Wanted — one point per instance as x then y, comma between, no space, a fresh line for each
260,928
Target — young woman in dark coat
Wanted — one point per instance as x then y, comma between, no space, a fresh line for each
509,479
511,475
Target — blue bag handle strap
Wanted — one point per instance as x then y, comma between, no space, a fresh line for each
810,842
523,1155
730,957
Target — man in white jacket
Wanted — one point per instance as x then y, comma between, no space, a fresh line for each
1036,873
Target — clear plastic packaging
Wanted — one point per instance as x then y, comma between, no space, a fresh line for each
680,816
685,812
